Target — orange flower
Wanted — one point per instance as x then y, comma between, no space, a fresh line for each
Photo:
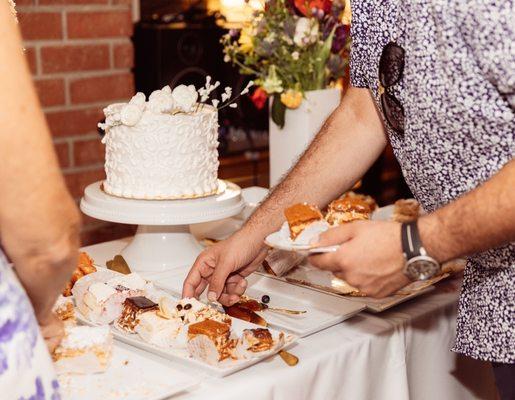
291,98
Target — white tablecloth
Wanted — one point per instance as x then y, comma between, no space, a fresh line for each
398,354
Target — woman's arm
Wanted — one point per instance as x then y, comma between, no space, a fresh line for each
38,219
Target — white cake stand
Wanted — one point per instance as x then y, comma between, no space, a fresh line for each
163,239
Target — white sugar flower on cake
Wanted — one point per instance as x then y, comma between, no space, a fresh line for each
161,101
185,97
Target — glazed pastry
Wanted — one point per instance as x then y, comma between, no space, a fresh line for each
406,210
84,267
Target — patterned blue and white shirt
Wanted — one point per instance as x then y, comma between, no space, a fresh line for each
458,94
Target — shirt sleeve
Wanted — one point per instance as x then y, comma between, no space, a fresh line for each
488,28
359,53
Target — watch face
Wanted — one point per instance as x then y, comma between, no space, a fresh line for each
421,268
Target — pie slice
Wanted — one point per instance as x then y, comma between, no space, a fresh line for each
300,216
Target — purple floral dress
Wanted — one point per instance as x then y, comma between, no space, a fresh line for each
26,370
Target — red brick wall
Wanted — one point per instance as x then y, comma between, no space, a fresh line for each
80,55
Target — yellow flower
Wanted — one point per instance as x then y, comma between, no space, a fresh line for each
291,98
245,41
346,17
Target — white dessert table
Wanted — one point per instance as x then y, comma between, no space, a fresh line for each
399,354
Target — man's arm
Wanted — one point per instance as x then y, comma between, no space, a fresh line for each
370,253
38,219
347,145
482,219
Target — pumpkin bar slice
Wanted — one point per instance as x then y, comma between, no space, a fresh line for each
210,341
300,216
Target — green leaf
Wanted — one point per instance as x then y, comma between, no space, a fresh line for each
278,111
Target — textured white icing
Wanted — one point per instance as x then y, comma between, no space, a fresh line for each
80,337
163,155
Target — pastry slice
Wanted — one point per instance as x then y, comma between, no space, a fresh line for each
133,307
155,329
210,341
406,210
190,310
348,209
84,267
100,297
256,341
84,350
299,216
64,309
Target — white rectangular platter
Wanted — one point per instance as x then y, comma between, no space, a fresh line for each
132,375
322,310
223,369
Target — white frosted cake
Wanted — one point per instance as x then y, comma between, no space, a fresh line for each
163,148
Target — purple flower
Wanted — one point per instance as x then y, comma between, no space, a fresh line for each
340,39
234,33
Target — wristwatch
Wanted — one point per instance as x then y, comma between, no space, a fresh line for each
419,265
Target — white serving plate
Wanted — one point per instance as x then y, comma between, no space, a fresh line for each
132,375
223,369
323,310
276,241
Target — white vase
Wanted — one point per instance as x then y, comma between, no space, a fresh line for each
300,127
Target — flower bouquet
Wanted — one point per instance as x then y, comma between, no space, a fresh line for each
291,47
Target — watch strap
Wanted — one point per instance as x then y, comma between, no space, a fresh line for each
410,239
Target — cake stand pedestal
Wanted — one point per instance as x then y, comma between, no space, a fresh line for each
163,239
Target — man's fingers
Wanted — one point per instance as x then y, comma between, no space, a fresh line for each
336,235
200,270
200,288
228,299
236,287
328,261
217,280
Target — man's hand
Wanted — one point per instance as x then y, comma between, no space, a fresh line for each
223,267
369,258
52,330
